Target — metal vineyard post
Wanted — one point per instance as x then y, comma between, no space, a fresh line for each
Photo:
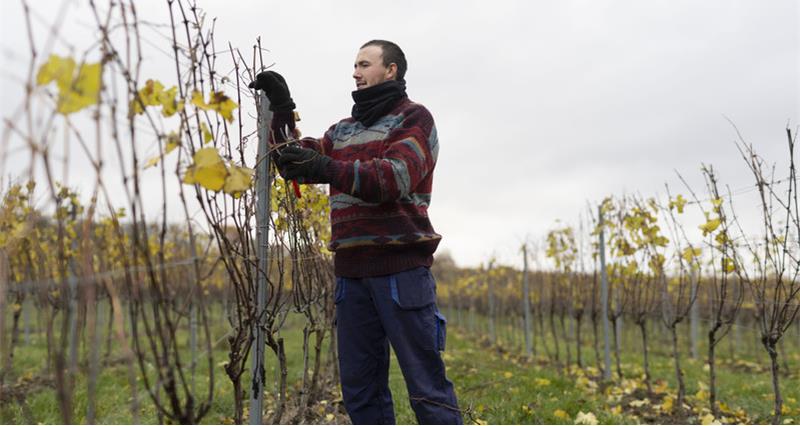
490,289
694,314
262,241
526,304
604,296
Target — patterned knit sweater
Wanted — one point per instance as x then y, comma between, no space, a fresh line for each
381,181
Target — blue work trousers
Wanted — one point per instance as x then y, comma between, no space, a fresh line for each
399,309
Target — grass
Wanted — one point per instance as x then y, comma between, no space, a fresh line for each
113,389
479,373
493,383
494,386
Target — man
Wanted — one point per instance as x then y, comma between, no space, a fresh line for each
379,163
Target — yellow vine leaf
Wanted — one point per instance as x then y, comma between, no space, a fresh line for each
624,248
208,170
153,94
58,69
152,162
728,265
710,226
83,91
660,241
173,141
217,101
585,418
607,205
667,405
656,262
691,253
197,100
75,91
716,202
240,179
222,104
585,382
709,419
17,233
561,414
678,203
207,136
168,100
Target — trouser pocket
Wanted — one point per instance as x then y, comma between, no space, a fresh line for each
414,289
441,331
413,294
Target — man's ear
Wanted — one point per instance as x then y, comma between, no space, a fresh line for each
391,71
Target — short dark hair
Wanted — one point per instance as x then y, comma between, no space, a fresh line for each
392,54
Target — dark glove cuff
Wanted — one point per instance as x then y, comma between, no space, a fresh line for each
282,126
282,119
283,106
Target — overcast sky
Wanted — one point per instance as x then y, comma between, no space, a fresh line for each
540,106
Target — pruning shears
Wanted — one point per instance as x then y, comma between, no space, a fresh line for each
296,188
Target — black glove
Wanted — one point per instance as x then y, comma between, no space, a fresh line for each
276,89
309,165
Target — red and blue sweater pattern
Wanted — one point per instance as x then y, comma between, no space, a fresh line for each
380,190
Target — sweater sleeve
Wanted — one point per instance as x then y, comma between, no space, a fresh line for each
409,157
322,145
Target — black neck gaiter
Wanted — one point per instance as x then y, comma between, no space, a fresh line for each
374,102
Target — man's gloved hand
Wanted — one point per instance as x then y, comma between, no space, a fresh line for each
296,162
280,102
276,89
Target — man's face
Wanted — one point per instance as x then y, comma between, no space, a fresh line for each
369,69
